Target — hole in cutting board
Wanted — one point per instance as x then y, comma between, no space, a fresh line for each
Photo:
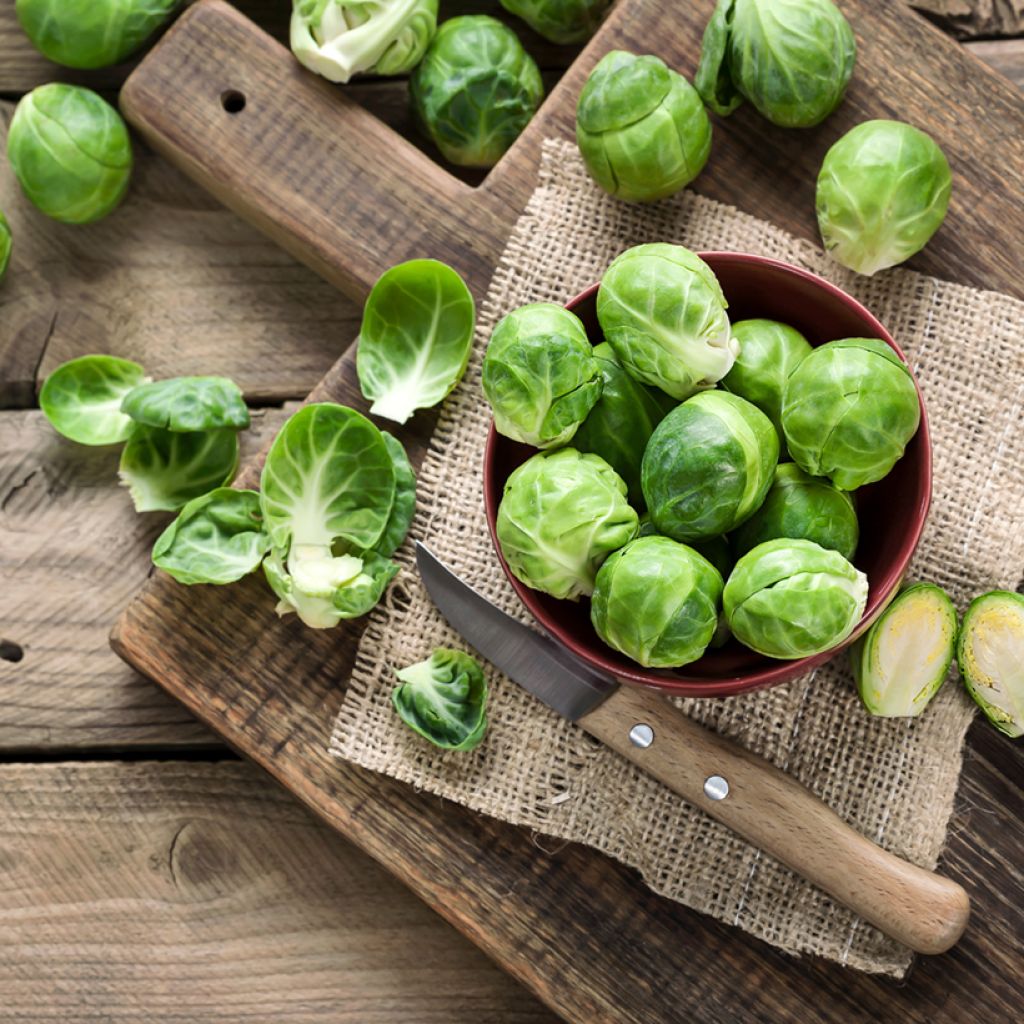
10,651
232,101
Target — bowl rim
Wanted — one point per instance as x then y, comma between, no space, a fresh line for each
675,681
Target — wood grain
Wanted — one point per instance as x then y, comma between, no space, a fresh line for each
969,18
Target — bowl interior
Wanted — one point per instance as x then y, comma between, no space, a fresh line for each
891,512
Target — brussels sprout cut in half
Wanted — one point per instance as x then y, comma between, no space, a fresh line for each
641,128
656,601
883,191
560,21
415,338
341,38
792,59
990,653
5,245
188,403
444,699
70,152
82,398
475,90
902,660
850,410
540,375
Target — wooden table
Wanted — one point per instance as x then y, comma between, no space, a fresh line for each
144,872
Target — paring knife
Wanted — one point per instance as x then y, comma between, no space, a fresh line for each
755,799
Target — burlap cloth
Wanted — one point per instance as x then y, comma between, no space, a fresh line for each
893,780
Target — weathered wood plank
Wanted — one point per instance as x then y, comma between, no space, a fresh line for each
202,892
971,18
1004,55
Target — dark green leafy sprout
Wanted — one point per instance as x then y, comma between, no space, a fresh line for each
404,507
663,312
708,466
769,352
850,410
641,128
475,90
805,507
82,398
792,59
621,423
188,404
903,659
656,601
70,152
5,245
990,653
92,33
341,38
883,191
444,699
540,375
560,21
561,515
217,538
415,338
793,598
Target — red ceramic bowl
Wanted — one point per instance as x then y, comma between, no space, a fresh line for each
892,512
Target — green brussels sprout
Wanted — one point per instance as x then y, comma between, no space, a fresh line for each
188,403
792,59
5,244
444,699
475,90
560,21
70,153
900,663
621,423
341,38
804,507
561,515
793,598
397,527
656,601
641,128
708,466
92,33
850,409
883,191
990,653
540,375
769,353
663,312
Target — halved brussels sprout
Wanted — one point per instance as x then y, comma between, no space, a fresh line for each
641,128
850,410
793,598
990,653
656,601
883,191
903,659
5,245
188,403
561,515
560,21
708,466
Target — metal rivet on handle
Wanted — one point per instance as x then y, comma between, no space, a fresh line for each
716,788
641,735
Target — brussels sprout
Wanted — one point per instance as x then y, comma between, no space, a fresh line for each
883,191
188,404
850,409
415,338
402,511
793,598
444,699
82,398
561,515
621,423
92,33
769,353
663,312
540,375
708,466
475,90
805,507
792,59
902,660
70,153
341,38
641,128
656,601
560,21
990,653
5,245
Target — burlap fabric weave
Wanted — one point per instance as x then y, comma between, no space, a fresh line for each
894,780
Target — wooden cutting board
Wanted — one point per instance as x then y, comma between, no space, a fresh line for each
349,197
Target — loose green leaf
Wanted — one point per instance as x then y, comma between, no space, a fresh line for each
5,245
404,508
188,404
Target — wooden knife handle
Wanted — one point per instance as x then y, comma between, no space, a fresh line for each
773,811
